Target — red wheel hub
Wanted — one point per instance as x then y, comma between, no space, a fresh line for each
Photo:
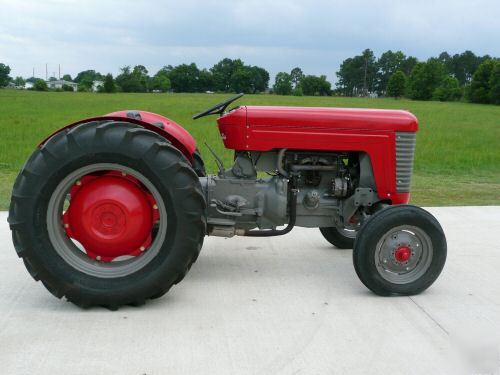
111,215
402,254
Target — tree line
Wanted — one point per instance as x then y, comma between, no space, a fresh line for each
226,76
463,76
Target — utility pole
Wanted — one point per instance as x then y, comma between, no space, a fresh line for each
46,72
33,72
59,72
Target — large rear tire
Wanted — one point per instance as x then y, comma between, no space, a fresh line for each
198,164
38,229
400,250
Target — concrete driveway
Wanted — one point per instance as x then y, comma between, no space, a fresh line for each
283,305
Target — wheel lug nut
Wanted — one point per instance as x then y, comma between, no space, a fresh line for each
155,207
142,248
78,182
66,225
98,257
124,174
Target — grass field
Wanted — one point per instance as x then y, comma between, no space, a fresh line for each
458,145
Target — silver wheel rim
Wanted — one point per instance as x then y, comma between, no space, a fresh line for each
416,266
73,255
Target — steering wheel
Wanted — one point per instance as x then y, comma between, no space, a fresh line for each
218,108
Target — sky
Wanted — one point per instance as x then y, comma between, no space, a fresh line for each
278,35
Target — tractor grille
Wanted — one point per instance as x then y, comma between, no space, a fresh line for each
405,149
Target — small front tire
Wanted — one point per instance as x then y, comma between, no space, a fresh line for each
401,250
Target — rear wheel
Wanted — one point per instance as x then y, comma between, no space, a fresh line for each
107,214
400,250
340,238
198,164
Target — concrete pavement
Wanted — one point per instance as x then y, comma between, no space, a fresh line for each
282,305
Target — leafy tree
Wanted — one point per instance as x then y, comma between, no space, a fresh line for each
369,71
347,78
86,79
84,87
417,82
40,85
4,75
205,81
408,64
397,84
388,63
109,84
160,81
140,74
357,75
223,71
133,80
462,66
495,84
85,84
67,77
425,78
185,78
297,76
449,90
282,84
249,79
19,81
88,76
233,75
445,58
125,80
313,85
241,80
66,87
260,79
479,91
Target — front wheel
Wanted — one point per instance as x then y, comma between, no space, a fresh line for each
401,250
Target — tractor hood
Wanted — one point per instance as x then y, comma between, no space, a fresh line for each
261,128
331,118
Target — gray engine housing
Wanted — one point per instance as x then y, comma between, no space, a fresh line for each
238,200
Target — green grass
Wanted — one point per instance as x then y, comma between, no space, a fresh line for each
458,145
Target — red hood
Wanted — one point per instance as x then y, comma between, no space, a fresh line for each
339,118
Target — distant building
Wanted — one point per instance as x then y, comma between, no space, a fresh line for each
96,85
59,83
28,85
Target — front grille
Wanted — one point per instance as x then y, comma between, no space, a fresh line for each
405,150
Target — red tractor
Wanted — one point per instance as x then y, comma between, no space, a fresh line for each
113,210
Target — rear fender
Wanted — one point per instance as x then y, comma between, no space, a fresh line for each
168,129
